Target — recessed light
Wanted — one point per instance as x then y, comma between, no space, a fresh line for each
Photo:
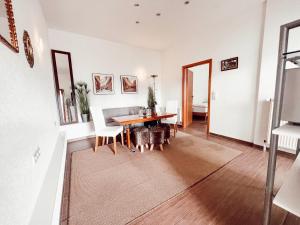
158,14
187,2
136,5
137,22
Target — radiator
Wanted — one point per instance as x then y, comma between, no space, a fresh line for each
288,144
285,143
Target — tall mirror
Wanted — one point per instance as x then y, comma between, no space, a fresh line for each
8,34
65,91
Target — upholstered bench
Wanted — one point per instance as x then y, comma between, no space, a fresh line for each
115,112
122,111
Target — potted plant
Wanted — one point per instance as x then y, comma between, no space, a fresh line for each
82,93
151,100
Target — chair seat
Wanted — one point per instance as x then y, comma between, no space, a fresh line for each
109,131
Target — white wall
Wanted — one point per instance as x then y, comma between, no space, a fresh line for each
28,109
48,206
278,13
92,55
232,113
200,83
291,106
4,23
28,117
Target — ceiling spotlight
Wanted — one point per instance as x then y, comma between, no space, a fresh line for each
137,22
136,5
187,2
158,14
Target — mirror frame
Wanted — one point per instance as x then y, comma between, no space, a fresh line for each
13,43
55,73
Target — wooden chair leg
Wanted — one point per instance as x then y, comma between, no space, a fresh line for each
142,148
174,130
161,147
128,137
151,147
96,143
147,146
168,141
115,145
107,140
103,140
122,138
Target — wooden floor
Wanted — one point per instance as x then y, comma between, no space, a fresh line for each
233,195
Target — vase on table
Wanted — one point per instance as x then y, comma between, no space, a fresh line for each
153,111
149,111
85,117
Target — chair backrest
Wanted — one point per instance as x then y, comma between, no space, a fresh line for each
98,118
172,106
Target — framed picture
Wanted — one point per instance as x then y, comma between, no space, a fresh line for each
230,64
103,84
129,84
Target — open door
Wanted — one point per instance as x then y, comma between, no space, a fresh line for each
189,79
187,93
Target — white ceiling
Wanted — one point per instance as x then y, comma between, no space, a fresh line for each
115,19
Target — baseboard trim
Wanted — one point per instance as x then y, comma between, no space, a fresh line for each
48,206
246,143
259,146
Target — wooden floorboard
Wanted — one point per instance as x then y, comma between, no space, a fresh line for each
231,196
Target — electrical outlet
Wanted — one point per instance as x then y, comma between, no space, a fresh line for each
36,155
213,96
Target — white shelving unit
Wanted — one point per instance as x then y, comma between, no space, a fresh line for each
288,195
288,130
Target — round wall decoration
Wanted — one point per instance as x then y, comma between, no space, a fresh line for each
28,48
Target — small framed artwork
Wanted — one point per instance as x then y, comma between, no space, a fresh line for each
129,84
28,49
230,64
103,84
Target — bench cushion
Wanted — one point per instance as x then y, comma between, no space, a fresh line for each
114,112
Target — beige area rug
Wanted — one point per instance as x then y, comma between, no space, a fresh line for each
108,189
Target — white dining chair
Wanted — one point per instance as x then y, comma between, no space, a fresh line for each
101,130
172,107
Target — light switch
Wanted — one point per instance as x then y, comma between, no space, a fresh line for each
213,96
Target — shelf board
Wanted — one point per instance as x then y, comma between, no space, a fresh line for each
288,195
288,130
292,52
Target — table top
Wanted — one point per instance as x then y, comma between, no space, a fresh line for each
133,119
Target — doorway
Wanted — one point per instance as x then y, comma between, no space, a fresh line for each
196,94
